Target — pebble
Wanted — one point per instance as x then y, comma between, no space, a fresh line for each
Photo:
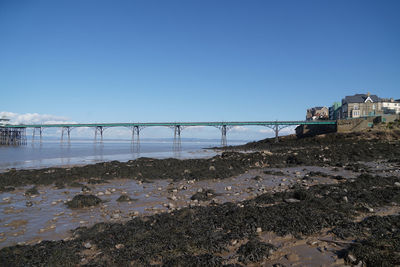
119,246
351,258
345,199
29,204
291,200
113,190
100,193
54,203
259,229
135,213
87,245
228,188
212,168
6,199
107,192
397,184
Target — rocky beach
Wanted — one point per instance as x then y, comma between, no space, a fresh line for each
328,200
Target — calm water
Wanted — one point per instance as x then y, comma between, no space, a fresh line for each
54,153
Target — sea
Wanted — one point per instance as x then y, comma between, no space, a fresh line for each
54,153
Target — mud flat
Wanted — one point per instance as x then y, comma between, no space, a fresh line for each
328,200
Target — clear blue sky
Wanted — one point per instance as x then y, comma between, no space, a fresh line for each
147,60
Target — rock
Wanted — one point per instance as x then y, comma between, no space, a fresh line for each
212,168
397,184
124,198
345,199
172,198
119,246
29,204
291,200
228,188
80,201
32,191
267,153
85,189
107,192
259,229
100,193
171,206
351,258
87,245
134,213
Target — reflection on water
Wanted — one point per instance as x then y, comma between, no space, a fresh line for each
45,153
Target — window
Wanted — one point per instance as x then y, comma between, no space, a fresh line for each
373,106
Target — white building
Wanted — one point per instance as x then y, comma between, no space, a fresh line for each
390,106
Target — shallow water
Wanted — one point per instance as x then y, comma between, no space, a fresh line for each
49,153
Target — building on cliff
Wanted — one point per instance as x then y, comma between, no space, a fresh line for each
335,111
390,106
360,105
317,113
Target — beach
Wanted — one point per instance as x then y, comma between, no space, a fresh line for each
317,201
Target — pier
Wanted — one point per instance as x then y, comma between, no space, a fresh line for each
16,134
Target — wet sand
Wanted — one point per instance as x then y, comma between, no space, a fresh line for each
50,219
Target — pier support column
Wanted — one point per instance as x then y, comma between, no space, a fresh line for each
276,128
136,143
224,129
40,129
177,146
99,130
66,129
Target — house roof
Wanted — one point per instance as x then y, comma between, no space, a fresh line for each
359,98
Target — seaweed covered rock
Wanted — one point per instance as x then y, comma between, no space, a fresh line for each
32,191
59,184
81,201
75,184
193,260
377,241
124,198
47,253
96,181
254,251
